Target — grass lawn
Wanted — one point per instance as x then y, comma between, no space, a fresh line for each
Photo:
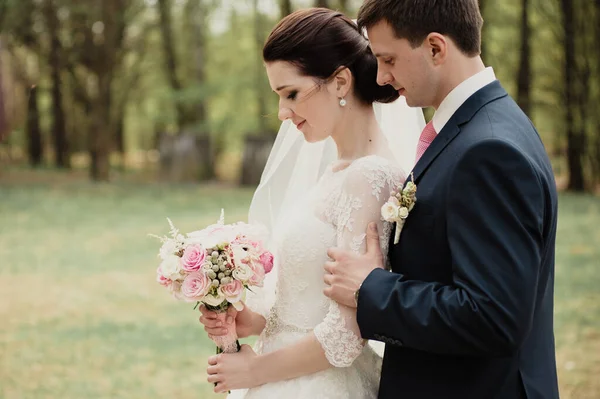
81,315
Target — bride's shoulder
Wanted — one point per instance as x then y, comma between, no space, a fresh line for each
376,171
377,166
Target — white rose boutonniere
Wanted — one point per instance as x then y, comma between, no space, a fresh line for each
397,208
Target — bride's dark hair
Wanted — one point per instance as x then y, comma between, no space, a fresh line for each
318,42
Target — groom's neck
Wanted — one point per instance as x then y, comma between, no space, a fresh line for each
457,71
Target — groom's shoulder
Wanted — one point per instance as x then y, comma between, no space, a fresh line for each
501,120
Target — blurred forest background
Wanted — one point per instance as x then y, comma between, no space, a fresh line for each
177,89
115,114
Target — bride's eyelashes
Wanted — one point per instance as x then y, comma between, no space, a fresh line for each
292,96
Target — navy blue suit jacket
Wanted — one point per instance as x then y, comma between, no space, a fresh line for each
467,311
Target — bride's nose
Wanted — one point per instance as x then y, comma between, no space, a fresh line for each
285,113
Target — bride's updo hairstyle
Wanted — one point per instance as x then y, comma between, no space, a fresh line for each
319,42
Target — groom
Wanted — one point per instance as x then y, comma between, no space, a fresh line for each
467,311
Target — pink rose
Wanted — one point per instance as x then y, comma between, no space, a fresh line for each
258,276
266,259
232,291
162,280
195,286
193,258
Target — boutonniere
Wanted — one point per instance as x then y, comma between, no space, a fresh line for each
397,208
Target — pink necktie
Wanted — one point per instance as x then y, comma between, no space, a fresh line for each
427,136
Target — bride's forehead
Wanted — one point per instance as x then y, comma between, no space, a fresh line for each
283,73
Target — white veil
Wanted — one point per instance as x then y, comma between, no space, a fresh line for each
294,166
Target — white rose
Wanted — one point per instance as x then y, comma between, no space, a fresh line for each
243,273
168,249
171,268
213,300
389,212
403,212
239,254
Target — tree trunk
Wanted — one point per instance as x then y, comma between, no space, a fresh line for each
262,101
484,49
120,133
524,78
3,117
32,127
256,153
285,7
574,142
596,141
199,48
102,124
197,14
100,131
170,59
59,129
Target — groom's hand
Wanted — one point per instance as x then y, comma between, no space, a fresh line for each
347,270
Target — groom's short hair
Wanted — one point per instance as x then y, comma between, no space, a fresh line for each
415,19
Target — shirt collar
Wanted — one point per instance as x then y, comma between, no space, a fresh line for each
459,95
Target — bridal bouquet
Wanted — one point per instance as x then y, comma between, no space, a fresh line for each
214,266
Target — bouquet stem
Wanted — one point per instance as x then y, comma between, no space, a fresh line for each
225,343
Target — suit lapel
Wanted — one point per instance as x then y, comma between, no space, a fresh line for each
464,114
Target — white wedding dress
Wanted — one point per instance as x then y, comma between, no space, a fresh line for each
334,213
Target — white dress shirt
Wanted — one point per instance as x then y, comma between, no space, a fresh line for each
459,95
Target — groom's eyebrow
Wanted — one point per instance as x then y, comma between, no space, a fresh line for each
379,55
281,87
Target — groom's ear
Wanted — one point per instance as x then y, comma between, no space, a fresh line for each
437,46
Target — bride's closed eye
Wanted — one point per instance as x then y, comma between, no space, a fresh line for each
292,95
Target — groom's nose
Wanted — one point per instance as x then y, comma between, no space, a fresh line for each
384,78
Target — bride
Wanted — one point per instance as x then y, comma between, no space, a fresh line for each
339,154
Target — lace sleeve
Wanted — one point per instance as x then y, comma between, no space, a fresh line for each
366,188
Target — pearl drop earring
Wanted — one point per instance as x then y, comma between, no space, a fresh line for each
342,102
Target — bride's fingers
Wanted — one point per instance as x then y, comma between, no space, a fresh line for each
213,370
209,314
213,378
210,323
221,388
332,253
329,267
328,278
213,360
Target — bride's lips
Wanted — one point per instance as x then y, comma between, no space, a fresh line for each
299,125
401,91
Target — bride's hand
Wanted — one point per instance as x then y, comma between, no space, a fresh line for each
244,322
234,370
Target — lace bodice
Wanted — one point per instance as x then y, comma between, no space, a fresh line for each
334,214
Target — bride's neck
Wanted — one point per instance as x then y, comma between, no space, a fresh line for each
357,134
